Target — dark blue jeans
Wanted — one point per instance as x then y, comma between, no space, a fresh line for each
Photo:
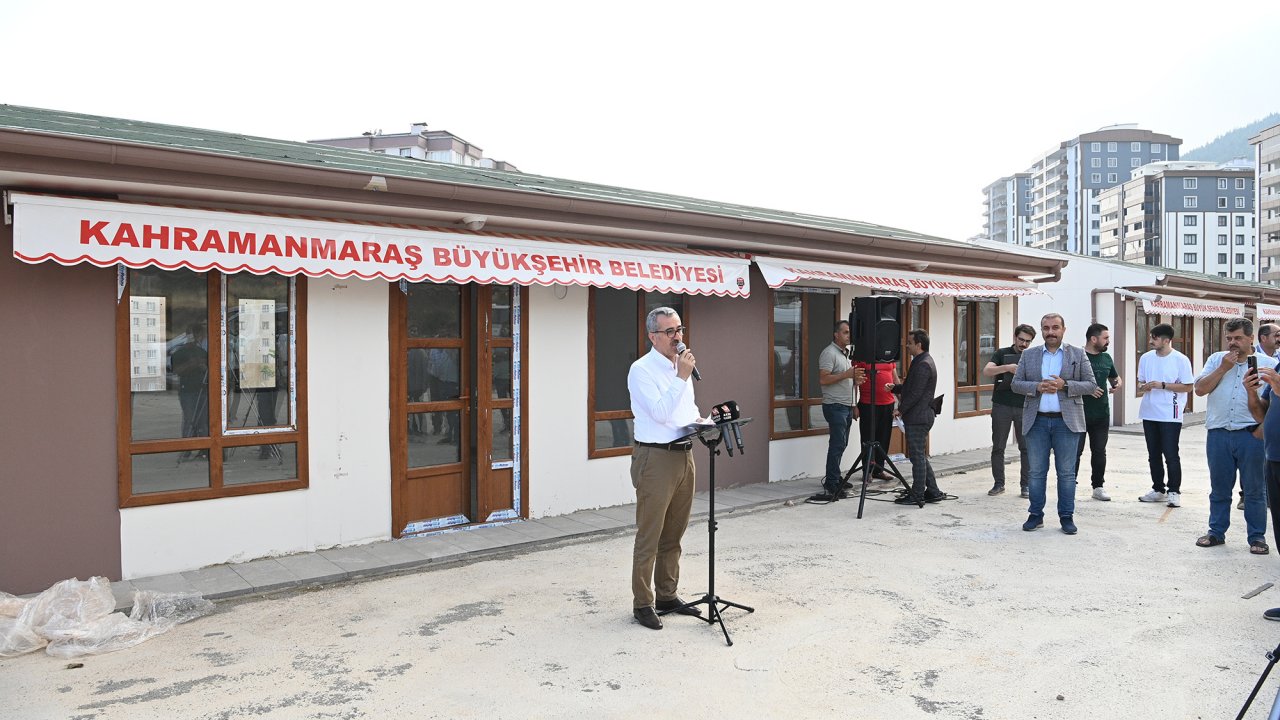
1230,452
839,420
1162,450
1046,434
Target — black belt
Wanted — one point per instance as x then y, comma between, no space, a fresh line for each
676,446
1055,415
1249,429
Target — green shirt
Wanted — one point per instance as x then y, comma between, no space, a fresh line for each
1103,370
1003,393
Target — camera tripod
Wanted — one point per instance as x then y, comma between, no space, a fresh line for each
1275,706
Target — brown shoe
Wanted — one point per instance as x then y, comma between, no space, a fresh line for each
666,606
648,618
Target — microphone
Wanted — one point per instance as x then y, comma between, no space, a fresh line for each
681,348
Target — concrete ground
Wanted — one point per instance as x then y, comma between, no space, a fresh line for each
950,611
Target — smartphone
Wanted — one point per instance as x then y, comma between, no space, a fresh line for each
1253,364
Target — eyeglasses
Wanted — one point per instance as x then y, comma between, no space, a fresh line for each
672,332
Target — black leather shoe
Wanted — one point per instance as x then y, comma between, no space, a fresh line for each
935,497
997,489
1068,524
909,499
648,618
669,605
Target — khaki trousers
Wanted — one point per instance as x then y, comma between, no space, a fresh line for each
664,496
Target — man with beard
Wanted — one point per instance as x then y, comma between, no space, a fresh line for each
1234,443
1006,408
1053,377
1097,409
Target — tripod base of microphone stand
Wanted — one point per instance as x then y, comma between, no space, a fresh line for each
874,454
712,616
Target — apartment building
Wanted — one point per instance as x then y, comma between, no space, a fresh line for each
1266,146
1064,184
422,144
1196,216
1008,207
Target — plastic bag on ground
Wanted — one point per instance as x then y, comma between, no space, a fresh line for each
75,618
18,639
11,606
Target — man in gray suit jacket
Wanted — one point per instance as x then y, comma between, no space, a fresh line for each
1054,377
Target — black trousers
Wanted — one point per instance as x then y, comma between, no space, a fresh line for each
1162,444
1095,432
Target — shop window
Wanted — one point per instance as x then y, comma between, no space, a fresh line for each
1142,325
223,412
617,339
975,342
1213,338
803,323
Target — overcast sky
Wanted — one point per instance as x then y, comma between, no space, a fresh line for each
898,115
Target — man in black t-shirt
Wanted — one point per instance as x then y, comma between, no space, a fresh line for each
1006,407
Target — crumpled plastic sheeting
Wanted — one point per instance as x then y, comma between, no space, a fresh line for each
75,618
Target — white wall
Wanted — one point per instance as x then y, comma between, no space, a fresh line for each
349,495
561,478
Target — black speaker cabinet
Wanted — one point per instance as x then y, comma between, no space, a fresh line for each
876,328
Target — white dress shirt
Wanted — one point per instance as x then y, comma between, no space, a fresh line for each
660,400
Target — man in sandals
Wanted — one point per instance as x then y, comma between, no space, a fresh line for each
1235,443
1268,413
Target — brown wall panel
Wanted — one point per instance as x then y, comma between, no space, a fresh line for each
58,506
732,339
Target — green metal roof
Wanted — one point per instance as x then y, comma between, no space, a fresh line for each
36,120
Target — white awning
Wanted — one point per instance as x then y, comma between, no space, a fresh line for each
75,230
1192,307
781,271
1267,312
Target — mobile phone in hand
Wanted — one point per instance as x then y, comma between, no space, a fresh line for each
1253,364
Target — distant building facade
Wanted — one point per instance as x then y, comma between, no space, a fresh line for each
422,144
1063,212
1008,208
1266,146
1196,216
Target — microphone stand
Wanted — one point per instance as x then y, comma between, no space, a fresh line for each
711,436
873,453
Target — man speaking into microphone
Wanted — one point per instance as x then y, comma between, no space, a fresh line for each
662,470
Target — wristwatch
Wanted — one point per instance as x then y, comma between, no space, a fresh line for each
1162,385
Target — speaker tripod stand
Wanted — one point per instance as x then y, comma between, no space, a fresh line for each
874,455
711,437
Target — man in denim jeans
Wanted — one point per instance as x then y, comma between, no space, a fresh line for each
837,377
1234,443
1006,408
1267,412
1053,377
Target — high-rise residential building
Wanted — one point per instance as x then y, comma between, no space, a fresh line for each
1008,208
1183,215
1065,182
423,144
1266,146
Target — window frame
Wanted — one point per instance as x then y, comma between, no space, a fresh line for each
977,362
809,397
218,439
642,347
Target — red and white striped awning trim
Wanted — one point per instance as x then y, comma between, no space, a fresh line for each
1267,312
1192,307
781,271
72,230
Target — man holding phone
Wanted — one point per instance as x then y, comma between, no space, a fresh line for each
1234,444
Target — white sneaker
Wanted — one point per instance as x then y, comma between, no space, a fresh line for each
1175,500
1100,494
1153,496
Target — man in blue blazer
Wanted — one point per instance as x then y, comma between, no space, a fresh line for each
1054,377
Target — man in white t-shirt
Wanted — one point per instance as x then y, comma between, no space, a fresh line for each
1164,378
